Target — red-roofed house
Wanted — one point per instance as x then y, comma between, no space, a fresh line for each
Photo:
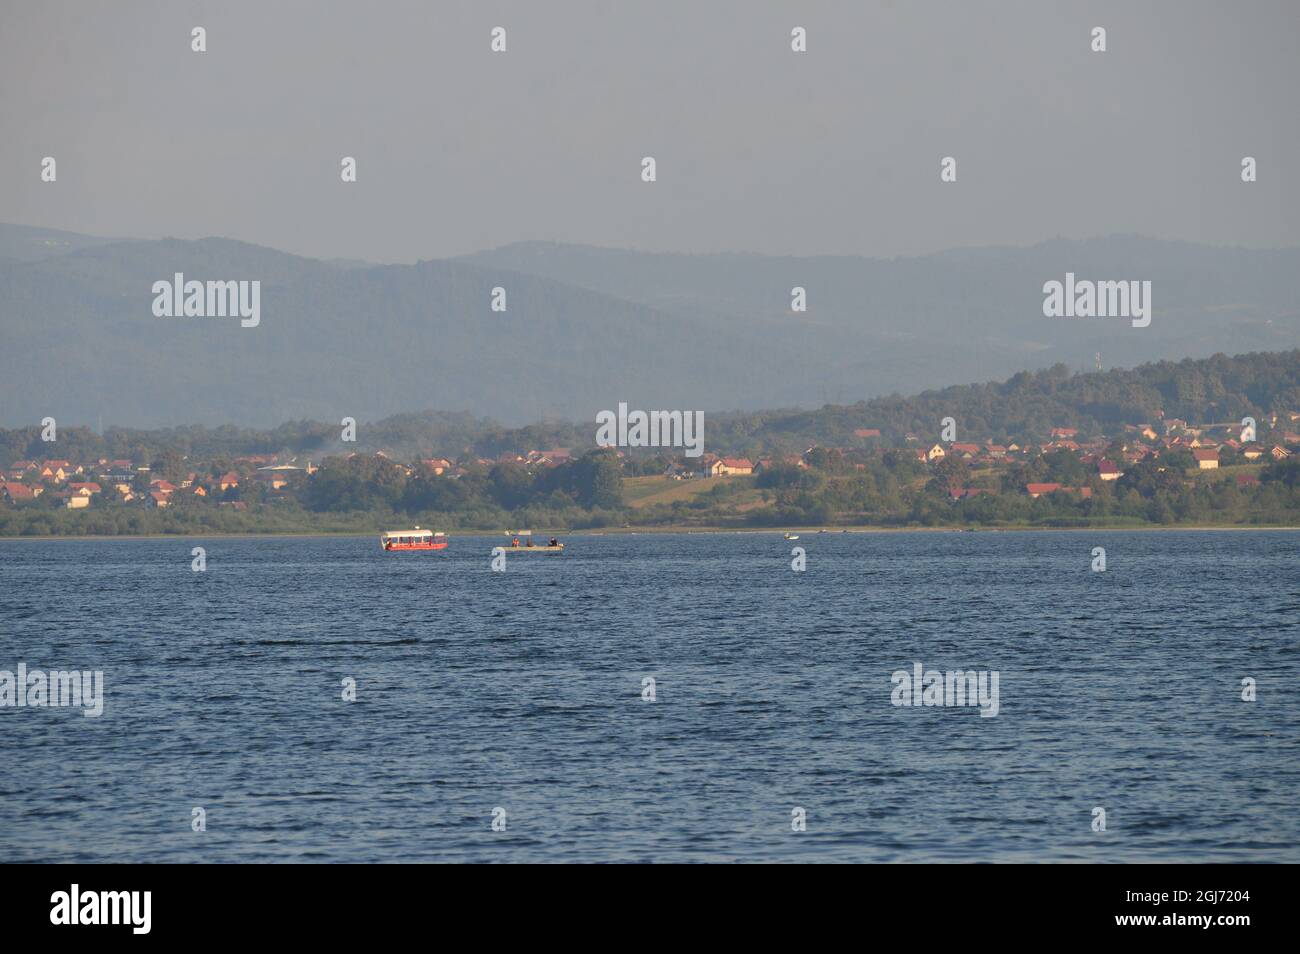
729,466
1206,459
273,477
1108,471
15,492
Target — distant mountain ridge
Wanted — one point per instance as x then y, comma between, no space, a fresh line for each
26,243
585,328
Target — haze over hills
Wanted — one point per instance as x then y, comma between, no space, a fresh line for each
585,328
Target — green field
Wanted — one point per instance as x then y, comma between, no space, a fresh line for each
640,492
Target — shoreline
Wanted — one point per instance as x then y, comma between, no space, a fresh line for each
633,531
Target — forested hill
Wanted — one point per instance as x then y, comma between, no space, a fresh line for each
1028,405
1024,408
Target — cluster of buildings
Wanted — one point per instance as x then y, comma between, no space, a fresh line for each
78,485
1106,457
441,466
1135,444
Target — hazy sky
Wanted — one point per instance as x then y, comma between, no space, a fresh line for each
836,150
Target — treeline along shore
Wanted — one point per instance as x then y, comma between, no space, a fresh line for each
1214,442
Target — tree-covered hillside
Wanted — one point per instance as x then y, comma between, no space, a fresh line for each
1024,408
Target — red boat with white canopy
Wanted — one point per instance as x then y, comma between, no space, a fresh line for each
416,539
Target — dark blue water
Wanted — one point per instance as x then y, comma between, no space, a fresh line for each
523,690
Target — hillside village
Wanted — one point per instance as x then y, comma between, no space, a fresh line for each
77,485
264,478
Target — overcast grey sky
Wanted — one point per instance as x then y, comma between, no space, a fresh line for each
758,148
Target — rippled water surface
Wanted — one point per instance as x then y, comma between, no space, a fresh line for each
523,690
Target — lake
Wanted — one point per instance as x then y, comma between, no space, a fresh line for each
521,698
